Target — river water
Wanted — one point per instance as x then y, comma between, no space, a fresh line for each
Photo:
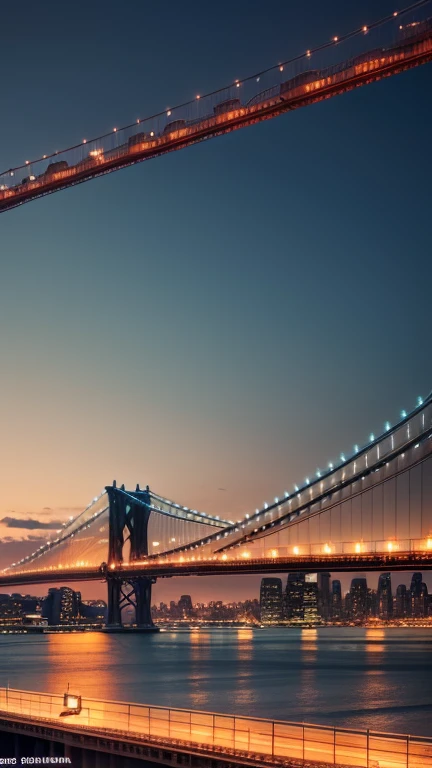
353,677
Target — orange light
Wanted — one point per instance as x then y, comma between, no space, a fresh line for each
296,551
429,544
335,39
245,554
274,553
390,546
327,549
308,54
281,68
365,29
224,557
358,547
112,566
198,97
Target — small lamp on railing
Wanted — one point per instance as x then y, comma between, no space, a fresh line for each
72,704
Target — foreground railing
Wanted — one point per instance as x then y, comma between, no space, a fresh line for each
269,738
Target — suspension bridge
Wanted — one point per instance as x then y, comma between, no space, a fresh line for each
373,51
371,510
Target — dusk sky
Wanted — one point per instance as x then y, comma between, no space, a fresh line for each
231,316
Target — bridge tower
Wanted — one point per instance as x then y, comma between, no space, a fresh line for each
128,521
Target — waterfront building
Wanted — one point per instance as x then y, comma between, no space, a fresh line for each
185,606
294,595
324,598
402,602
385,597
336,600
310,599
61,606
271,604
358,603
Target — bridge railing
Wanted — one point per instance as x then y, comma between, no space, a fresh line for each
231,733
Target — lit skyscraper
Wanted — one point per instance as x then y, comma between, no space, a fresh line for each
294,597
271,601
385,597
336,599
310,598
358,599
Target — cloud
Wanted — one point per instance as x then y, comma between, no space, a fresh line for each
30,524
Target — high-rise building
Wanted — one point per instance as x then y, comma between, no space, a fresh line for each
185,606
336,600
310,598
385,597
271,601
62,606
323,583
294,609
401,603
418,597
358,599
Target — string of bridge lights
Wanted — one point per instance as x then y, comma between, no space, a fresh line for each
335,40
247,518
298,490
64,535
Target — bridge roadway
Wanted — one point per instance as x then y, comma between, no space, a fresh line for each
187,737
394,61
164,568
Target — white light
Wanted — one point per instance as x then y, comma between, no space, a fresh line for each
247,517
330,465
419,401
155,543
296,487
286,494
169,113
318,473
335,39
308,54
371,437
365,29
356,449
296,550
307,481
276,500
403,414
265,505
342,457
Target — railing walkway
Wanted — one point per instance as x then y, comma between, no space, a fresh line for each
255,739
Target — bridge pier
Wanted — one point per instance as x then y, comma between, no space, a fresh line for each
135,592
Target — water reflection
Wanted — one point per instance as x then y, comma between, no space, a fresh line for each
245,644
85,660
309,641
372,635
